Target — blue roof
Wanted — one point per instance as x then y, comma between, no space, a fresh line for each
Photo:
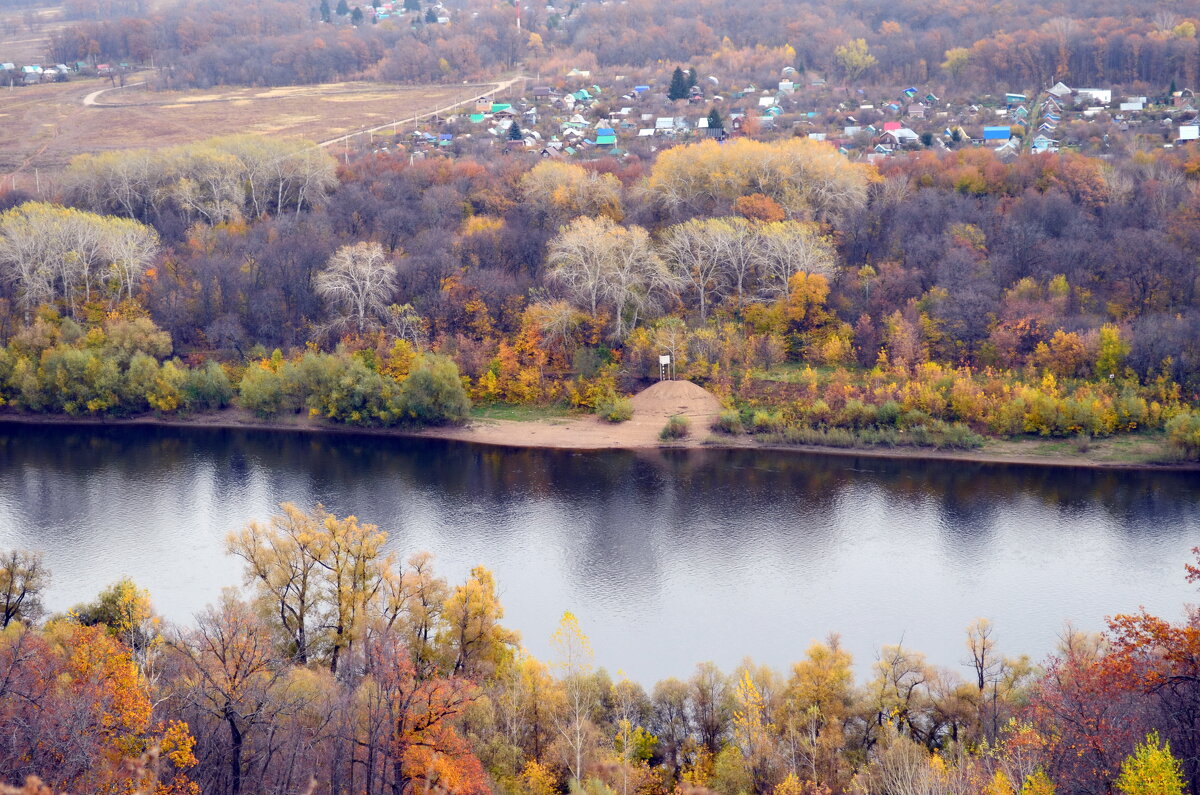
996,133
605,131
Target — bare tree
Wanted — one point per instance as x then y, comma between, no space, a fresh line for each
637,283
578,260
359,281
129,248
406,324
231,674
785,248
603,265
694,253
22,580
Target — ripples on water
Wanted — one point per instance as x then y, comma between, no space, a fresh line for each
667,557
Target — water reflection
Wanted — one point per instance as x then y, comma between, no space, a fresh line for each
669,557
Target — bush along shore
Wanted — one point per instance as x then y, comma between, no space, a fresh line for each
121,366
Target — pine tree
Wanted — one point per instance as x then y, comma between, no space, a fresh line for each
678,88
715,122
514,132
356,16
342,8
431,16
325,10
691,78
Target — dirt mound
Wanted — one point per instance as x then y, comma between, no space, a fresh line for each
676,397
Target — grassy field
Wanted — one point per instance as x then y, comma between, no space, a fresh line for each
44,126
505,411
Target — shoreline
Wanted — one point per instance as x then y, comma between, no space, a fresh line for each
562,435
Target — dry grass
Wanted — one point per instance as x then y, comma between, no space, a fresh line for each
25,33
44,126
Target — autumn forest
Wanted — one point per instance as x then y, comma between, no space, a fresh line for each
889,229
338,668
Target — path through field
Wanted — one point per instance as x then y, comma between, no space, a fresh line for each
42,127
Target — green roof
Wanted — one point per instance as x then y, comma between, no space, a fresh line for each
499,106
604,140
476,117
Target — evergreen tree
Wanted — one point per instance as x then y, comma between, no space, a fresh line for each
514,132
715,122
431,16
324,10
1171,91
678,88
342,8
356,16
691,78
412,5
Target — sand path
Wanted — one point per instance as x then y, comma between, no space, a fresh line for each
651,409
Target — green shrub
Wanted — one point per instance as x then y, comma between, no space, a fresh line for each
728,421
614,409
766,422
1183,432
433,392
887,415
676,428
261,391
207,387
856,414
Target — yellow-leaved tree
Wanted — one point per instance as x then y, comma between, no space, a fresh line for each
1151,770
578,698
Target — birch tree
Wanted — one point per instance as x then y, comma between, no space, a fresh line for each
573,719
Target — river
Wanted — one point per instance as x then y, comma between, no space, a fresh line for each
667,557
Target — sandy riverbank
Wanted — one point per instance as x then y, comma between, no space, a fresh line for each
585,432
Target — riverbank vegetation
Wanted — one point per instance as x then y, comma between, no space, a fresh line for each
120,367
339,668
931,300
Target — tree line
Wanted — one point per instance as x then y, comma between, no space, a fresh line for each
1022,46
337,667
